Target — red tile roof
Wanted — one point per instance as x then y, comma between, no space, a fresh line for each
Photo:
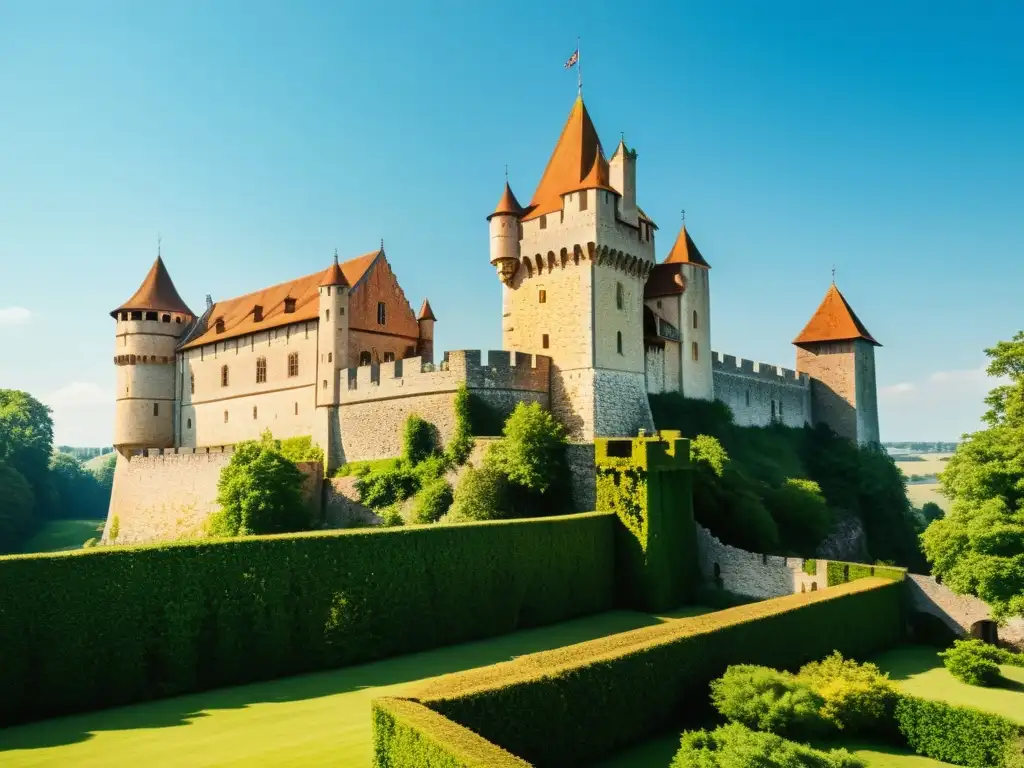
426,313
685,251
834,320
157,293
507,204
665,280
334,275
238,315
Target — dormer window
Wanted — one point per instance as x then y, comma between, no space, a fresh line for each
257,313
544,221
219,325
289,306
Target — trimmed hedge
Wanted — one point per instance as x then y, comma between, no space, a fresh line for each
838,573
953,734
407,734
576,704
103,627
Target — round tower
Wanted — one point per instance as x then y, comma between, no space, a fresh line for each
149,327
694,290
425,319
332,333
505,234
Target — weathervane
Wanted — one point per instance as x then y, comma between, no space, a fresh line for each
833,274
683,212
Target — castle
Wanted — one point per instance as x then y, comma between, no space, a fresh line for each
592,323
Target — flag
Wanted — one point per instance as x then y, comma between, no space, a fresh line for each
573,59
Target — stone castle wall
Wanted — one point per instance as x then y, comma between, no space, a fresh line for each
757,391
753,575
959,612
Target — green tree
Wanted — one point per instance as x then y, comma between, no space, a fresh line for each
78,491
26,442
260,492
931,512
532,453
461,444
482,494
978,548
17,511
419,440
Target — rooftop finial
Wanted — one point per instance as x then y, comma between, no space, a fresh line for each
683,212
158,241
833,274
335,255
382,243
506,173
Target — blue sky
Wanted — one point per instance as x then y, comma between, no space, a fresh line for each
256,137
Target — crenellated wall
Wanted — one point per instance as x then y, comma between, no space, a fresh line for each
759,394
755,575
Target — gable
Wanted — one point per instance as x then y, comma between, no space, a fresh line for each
379,284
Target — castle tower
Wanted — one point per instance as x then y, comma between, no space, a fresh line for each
680,290
576,293
426,322
838,353
332,333
622,177
149,326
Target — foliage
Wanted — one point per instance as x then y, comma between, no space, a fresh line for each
419,440
391,516
532,454
582,702
931,512
959,735
839,572
976,662
751,485
259,492
810,567
736,746
105,472
301,448
432,501
484,418
360,468
482,494
79,494
113,625
461,444
383,487
115,528
854,697
767,700
406,733
978,548
26,443
18,507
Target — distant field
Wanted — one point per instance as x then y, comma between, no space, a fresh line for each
932,464
95,462
923,493
60,535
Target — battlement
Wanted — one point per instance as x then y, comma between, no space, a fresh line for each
737,366
504,370
216,451
661,451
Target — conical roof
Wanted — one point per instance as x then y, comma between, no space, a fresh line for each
834,320
578,162
426,313
685,251
333,274
508,204
157,293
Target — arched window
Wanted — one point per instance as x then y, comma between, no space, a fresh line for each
223,375
695,318
364,358
293,364
188,424
261,370
296,409
693,351
254,411
330,357
618,295
389,357
225,417
165,318
192,383
327,317
618,341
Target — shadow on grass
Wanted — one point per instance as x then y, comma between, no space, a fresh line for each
181,710
907,661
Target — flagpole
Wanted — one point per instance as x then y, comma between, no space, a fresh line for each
579,69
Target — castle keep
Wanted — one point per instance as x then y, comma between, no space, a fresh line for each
591,323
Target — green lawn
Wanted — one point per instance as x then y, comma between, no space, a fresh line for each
918,670
318,719
63,534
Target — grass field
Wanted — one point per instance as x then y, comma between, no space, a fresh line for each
59,535
921,493
932,464
318,719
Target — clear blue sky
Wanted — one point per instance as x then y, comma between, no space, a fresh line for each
259,136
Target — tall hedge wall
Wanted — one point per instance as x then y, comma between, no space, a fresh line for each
85,630
839,572
576,704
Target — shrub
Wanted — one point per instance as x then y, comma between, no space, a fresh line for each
482,494
959,735
383,487
90,543
115,527
432,501
301,449
854,697
767,700
461,444
582,702
838,572
390,516
533,452
259,492
974,662
800,512
419,440
432,468
360,468
123,624
736,746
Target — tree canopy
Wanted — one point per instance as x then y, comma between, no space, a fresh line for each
978,548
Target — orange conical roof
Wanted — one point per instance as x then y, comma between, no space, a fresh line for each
508,204
157,293
426,313
835,320
685,251
333,274
578,162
